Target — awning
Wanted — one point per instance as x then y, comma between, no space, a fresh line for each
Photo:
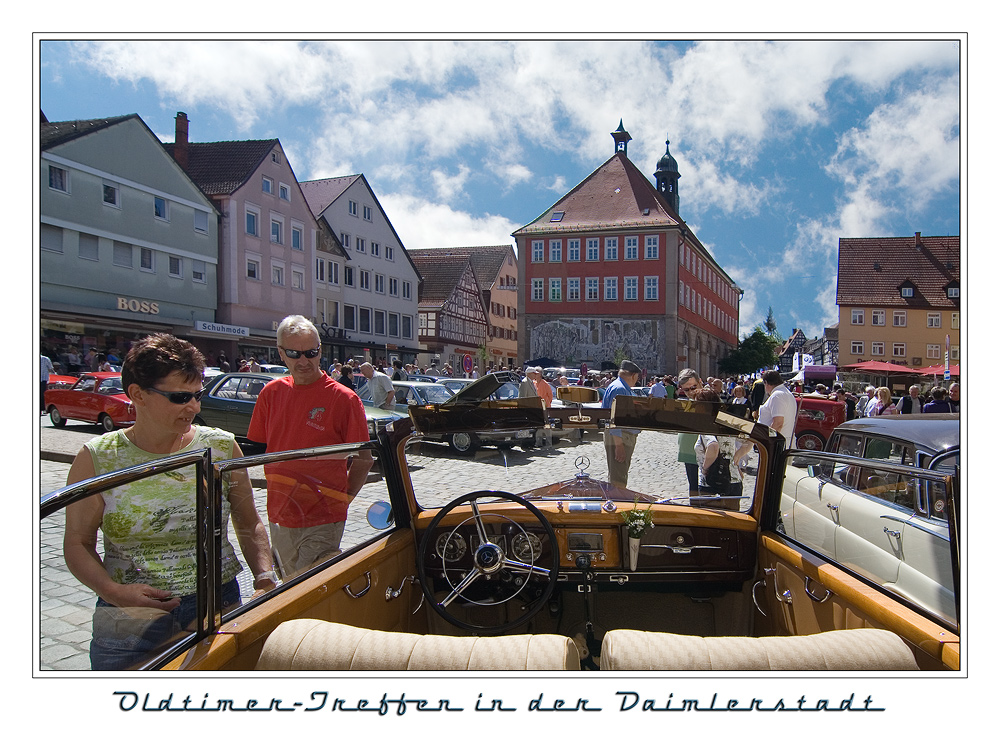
880,367
937,370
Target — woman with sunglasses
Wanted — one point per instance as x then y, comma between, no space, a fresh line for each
146,581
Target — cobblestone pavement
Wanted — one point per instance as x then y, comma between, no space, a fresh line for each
439,476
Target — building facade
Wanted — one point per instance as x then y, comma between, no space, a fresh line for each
128,242
611,271
375,315
899,299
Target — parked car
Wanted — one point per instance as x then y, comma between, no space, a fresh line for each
229,401
885,524
537,547
816,421
274,369
95,397
60,381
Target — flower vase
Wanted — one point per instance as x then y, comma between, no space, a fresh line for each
633,552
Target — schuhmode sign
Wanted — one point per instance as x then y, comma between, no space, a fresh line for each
220,329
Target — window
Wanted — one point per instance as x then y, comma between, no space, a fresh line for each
198,272
277,274
878,317
611,248
51,238
333,272
253,223
160,208
359,244
537,290
407,326
350,317
365,280
878,348
680,293
175,267
557,216
320,270
857,347
253,269
953,292
345,240
899,318
573,250
899,349
394,324
88,247
389,253
593,249
110,195
631,248
857,317
555,251
555,290
652,247
352,208
537,251
364,320
275,157
407,290
296,238
58,179
298,279
122,255
283,192
573,290
266,185
276,230
393,287
631,288
146,260
376,250
906,292
955,320
200,221
954,353
379,322
933,351
348,276
593,289
933,319
380,283
611,288
652,288
367,213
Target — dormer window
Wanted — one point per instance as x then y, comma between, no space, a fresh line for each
557,216
951,288
906,291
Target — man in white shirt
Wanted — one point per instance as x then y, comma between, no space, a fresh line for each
383,393
658,389
780,408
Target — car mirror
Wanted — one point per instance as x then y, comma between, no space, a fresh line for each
578,394
380,516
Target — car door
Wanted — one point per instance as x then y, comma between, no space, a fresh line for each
800,590
83,405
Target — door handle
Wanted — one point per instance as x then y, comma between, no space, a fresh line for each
892,532
813,596
785,596
363,591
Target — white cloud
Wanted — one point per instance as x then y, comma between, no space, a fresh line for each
424,224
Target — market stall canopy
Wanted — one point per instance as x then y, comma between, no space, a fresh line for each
881,367
937,370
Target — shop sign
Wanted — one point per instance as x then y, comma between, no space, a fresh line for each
137,305
215,327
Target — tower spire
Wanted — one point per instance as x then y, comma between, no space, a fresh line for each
621,138
666,179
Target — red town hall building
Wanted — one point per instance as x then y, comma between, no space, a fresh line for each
611,269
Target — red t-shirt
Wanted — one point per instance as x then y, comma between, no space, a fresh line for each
288,416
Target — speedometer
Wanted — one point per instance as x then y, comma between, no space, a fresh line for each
451,546
526,547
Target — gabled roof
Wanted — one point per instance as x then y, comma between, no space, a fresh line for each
320,194
616,195
872,269
222,167
487,260
440,277
52,133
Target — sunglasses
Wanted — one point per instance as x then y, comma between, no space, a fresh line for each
690,388
293,354
178,398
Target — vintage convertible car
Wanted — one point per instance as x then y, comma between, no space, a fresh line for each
96,397
513,560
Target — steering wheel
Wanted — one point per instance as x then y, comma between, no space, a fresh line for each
488,560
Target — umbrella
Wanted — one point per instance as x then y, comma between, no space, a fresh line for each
881,367
937,370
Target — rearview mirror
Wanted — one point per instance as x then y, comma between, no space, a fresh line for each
379,515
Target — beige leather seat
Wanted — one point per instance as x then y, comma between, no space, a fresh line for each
315,645
840,650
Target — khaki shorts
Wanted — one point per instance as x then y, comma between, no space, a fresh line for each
298,549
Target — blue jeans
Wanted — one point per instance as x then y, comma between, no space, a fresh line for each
125,638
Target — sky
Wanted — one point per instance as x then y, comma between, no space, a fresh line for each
783,146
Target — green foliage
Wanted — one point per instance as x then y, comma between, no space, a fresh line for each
755,351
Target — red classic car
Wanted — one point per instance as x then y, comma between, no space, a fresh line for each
96,398
817,418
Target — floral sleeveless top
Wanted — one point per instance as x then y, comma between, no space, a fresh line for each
149,527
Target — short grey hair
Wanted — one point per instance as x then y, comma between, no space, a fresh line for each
295,325
685,375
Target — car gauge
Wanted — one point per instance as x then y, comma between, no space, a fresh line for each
526,547
451,546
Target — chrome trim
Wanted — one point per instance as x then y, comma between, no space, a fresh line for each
809,593
347,587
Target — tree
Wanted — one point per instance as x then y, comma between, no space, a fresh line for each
755,351
770,325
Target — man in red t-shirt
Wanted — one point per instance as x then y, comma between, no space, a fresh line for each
307,499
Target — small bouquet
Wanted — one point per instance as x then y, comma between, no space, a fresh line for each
637,520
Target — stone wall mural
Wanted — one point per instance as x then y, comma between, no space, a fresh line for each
595,341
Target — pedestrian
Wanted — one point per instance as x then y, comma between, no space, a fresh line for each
307,500
398,374
780,408
912,404
867,402
46,369
884,405
383,394
223,362
619,443
940,403
346,377
103,365
953,395
146,580
709,448
658,389
688,384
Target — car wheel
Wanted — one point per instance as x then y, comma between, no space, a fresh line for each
106,423
810,441
463,443
56,417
